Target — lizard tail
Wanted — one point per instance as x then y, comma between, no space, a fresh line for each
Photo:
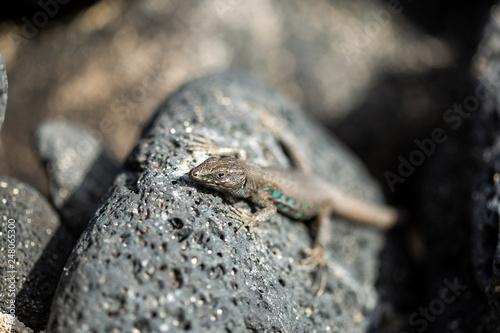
380,216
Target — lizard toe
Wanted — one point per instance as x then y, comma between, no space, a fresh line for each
316,257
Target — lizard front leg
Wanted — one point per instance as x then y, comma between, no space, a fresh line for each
253,220
288,139
199,143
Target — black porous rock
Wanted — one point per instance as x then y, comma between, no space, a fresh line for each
3,91
34,251
80,170
160,255
486,198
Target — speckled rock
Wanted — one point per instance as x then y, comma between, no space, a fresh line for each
486,199
34,250
160,255
79,168
3,91
13,325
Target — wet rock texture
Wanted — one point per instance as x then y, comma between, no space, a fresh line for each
486,199
160,255
33,266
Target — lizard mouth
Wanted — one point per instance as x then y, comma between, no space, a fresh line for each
196,176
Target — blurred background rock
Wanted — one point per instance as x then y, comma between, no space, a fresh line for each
108,64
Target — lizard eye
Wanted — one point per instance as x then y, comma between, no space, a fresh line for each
221,175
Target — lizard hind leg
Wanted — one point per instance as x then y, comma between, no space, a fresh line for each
316,257
317,254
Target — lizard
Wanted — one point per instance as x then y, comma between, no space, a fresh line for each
298,194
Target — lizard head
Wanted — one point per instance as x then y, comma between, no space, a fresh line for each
224,174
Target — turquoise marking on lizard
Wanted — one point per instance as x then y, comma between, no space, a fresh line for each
290,202
276,194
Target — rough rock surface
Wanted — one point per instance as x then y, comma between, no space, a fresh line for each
41,250
79,168
487,196
3,91
160,255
